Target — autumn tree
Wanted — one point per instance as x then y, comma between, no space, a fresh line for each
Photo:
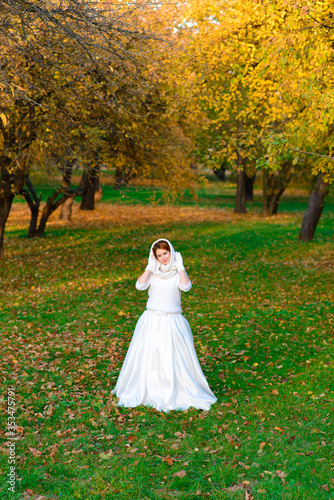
261,69
52,52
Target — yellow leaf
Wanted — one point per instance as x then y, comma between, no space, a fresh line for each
4,119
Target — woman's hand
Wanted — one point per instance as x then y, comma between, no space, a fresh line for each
151,264
179,262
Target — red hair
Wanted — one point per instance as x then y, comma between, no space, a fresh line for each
161,244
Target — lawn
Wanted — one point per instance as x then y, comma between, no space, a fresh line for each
262,316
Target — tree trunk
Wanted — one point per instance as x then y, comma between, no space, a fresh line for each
118,179
66,208
50,207
12,175
98,190
265,191
240,206
5,206
42,223
249,187
220,172
314,209
123,176
274,201
34,204
33,221
88,183
274,184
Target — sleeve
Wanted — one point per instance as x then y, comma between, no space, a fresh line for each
185,288
143,286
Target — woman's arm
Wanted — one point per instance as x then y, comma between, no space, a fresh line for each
184,280
144,277
143,282
185,283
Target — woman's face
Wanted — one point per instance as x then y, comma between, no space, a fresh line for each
163,255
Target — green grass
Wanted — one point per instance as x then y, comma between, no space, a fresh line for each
261,312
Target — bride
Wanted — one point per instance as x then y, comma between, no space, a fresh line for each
161,368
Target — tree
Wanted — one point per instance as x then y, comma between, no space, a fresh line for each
230,52
314,209
52,51
274,184
67,168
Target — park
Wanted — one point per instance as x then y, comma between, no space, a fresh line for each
209,125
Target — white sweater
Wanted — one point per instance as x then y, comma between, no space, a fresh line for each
164,294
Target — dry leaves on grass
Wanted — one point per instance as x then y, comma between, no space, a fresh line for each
238,486
114,214
30,495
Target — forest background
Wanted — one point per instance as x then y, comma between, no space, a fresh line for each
210,123
166,91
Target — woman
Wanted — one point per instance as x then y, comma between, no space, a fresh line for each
161,368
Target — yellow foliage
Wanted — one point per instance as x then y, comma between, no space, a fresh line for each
260,67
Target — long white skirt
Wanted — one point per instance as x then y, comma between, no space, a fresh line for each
161,368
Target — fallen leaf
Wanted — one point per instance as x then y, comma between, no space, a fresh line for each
106,456
180,473
132,450
35,452
168,460
282,475
235,487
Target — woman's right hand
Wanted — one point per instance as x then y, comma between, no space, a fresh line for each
151,264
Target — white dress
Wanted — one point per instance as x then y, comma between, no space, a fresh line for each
161,368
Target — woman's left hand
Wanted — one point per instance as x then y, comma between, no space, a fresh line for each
179,262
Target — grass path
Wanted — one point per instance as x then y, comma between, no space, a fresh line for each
261,312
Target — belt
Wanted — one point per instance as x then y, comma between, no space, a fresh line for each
161,313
